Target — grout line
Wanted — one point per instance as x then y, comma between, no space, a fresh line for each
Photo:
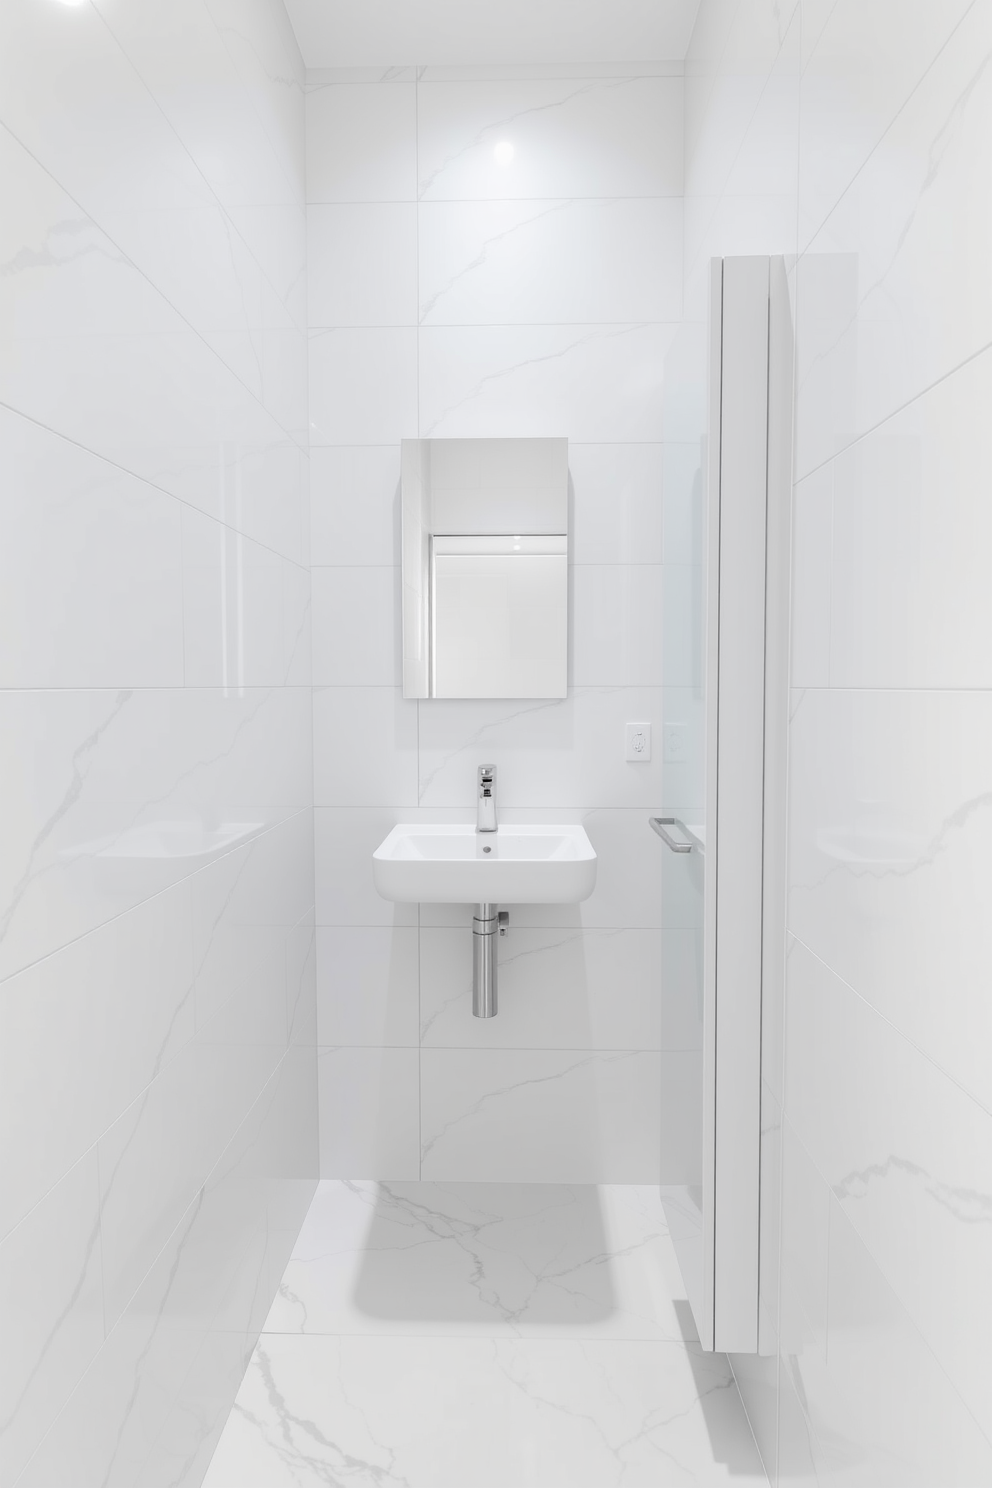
894,413
495,325
145,480
485,201
893,1027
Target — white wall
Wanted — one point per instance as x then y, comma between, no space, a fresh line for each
859,139
450,296
157,1070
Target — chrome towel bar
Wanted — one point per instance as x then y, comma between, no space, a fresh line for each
661,825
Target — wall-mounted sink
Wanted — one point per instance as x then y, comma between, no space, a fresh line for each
453,863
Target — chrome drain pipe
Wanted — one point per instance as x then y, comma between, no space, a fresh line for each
488,924
485,933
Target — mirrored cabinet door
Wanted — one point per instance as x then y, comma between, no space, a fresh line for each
485,568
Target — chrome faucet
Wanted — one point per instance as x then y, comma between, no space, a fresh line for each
486,821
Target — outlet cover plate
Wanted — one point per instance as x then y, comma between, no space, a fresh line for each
637,739
675,743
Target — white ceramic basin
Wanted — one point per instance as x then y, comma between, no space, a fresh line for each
452,863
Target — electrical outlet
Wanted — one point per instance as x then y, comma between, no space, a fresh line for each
637,737
675,743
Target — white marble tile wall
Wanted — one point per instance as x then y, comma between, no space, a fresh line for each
452,295
856,141
157,1003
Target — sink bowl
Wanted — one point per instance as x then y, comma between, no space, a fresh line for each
452,863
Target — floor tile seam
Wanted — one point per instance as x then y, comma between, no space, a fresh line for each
485,201
622,1049
394,444
675,198
495,325
673,1346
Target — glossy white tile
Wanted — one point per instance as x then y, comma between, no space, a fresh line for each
684,707
481,1259
617,629
549,753
83,1032
909,602
301,983
597,989
362,264
538,1116
155,1159
156,718
890,864
856,80
362,143
368,991
212,1272
356,627
122,794
536,1413
366,747
630,128
363,385
51,1297
369,1102
905,1151
355,505
598,383
182,59
266,55
345,839
890,229
878,1408
544,261
812,548
90,569
683,509
246,610
805,1242
244,908
617,502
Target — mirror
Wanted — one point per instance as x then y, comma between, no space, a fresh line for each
485,568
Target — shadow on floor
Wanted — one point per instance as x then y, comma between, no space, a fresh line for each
473,1253
731,1445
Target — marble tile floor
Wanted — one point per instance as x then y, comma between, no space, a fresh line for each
461,1335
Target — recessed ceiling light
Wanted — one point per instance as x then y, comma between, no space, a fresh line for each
503,153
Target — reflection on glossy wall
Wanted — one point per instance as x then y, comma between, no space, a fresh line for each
157,1068
857,140
494,254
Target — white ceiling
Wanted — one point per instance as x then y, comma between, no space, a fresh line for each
399,33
